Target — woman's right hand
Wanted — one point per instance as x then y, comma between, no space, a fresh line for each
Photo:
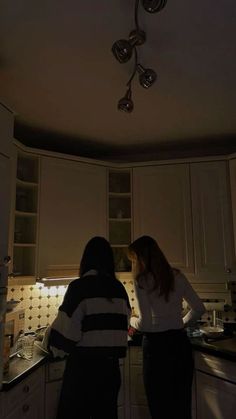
131,331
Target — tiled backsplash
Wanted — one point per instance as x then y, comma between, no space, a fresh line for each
41,303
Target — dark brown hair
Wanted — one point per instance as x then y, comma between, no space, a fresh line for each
154,263
98,255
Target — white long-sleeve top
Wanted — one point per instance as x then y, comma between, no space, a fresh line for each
157,315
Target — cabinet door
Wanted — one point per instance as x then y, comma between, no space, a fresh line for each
30,408
232,165
162,209
26,399
121,412
216,398
138,400
139,412
72,210
6,131
137,393
212,221
4,216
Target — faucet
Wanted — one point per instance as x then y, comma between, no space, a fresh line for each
214,318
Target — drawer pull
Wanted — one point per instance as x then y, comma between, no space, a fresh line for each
25,408
26,389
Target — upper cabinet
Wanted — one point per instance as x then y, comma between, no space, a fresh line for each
6,131
162,209
187,209
25,217
6,139
72,211
120,215
4,218
212,221
232,166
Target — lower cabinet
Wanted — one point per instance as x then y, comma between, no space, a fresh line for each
215,387
26,399
53,382
138,401
54,373
216,398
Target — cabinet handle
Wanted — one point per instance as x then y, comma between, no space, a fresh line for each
26,389
228,271
25,408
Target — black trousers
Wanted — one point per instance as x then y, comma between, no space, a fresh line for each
168,373
90,388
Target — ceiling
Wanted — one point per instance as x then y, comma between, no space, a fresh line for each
58,75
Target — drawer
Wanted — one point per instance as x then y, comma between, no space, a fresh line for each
33,384
136,355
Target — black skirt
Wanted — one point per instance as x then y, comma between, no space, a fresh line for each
168,372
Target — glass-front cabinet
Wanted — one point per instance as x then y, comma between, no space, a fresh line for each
25,217
120,216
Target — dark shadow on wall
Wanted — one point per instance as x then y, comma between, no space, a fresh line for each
95,149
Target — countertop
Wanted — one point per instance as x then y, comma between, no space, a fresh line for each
225,348
20,368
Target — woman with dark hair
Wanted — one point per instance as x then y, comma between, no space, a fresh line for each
91,329
167,352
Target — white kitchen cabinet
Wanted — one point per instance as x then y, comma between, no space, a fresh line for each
212,222
122,397
4,216
72,211
162,209
53,374
120,216
138,400
6,131
215,387
24,223
6,138
232,166
26,399
216,398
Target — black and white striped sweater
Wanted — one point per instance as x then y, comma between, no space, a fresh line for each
92,319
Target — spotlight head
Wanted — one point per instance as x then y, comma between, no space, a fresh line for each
122,50
126,104
137,37
154,6
147,76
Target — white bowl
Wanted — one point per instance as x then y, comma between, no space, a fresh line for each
212,331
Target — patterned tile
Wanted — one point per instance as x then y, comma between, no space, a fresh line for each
41,303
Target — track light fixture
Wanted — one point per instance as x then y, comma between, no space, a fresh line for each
124,49
146,76
154,6
126,104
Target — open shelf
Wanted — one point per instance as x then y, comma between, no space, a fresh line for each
25,218
120,217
